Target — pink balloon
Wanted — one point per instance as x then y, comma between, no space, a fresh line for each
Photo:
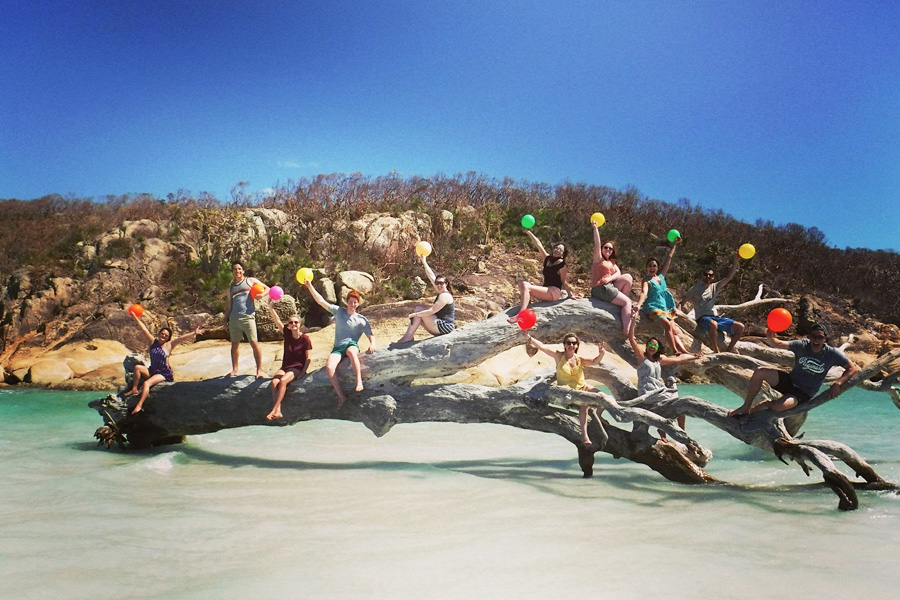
275,293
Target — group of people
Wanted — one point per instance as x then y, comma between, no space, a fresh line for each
813,357
350,326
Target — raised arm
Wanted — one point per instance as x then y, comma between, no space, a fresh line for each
601,352
275,318
543,347
316,295
774,341
428,271
537,243
597,257
187,336
677,360
634,345
668,263
143,327
732,272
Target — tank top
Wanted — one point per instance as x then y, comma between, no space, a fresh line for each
568,375
551,272
241,303
447,314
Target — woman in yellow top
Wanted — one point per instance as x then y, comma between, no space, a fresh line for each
570,371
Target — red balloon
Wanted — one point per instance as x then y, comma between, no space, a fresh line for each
779,319
526,319
136,310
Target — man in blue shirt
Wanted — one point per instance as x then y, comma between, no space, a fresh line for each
813,358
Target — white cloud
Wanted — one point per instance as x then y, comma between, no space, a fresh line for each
293,164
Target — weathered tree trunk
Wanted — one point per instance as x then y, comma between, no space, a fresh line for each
392,396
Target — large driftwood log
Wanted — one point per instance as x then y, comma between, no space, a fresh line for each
394,396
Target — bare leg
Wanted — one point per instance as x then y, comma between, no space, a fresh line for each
257,356
737,330
625,302
624,283
524,290
353,355
279,388
154,379
713,336
538,292
235,355
331,365
583,419
770,376
140,372
414,324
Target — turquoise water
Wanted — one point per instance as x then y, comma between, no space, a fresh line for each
326,510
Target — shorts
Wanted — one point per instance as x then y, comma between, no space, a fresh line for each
786,386
724,323
241,327
444,327
656,315
297,371
342,349
605,293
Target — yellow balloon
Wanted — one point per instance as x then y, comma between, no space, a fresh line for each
598,219
423,248
747,251
304,274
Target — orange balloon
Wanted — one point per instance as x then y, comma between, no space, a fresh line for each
136,310
257,290
779,320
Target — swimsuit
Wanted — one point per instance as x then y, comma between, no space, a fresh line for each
159,362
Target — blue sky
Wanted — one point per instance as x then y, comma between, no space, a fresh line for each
786,111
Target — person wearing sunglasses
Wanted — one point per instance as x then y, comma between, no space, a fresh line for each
703,296
440,317
608,282
656,301
555,274
570,371
294,359
813,358
651,360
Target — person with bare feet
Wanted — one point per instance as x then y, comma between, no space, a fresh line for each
608,283
349,326
294,361
439,319
570,371
241,317
555,274
813,358
651,360
703,296
656,301
160,348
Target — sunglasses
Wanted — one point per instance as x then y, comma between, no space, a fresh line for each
608,248
653,346
440,282
709,274
570,343
293,322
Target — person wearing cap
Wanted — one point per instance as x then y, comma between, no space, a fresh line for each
813,358
703,297
349,326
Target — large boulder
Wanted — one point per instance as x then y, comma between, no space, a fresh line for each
386,237
362,282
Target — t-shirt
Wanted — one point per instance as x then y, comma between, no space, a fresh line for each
703,297
347,327
810,369
296,350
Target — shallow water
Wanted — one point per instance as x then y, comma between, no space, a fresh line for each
326,510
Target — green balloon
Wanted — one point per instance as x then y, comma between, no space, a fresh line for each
673,235
528,221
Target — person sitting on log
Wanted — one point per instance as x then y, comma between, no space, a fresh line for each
651,360
349,326
160,348
703,296
439,319
608,283
555,274
656,300
813,357
570,371
294,360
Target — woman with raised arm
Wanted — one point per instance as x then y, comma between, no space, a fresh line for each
294,360
656,300
570,371
608,283
651,360
160,348
349,326
555,274
439,319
